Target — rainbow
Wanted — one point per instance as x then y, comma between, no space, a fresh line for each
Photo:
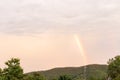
80,46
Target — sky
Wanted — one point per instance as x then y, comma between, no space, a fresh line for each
41,32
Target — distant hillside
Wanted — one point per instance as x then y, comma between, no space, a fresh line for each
95,71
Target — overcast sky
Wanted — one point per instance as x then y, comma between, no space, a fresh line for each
40,32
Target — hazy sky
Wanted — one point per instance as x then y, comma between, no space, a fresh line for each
40,32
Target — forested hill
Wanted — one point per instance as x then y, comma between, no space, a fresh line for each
94,71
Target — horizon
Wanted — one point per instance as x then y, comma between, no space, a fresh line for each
63,53
67,67
41,32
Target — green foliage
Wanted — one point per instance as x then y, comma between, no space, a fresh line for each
13,71
1,75
34,76
97,71
117,78
64,77
114,68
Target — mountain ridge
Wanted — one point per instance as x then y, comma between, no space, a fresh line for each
97,71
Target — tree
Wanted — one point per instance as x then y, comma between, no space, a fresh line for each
13,71
2,77
117,78
64,77
34,76
114,68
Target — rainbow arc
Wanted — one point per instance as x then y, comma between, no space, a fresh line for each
82,53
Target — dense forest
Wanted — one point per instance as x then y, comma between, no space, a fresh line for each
14,71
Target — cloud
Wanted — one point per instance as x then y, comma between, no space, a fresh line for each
49,22
61,16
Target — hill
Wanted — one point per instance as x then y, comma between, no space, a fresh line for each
93,72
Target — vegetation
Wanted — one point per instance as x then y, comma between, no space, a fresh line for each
34,76
94,72
13,71
64,77
114,68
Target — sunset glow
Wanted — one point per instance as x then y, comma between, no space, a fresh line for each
46,34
